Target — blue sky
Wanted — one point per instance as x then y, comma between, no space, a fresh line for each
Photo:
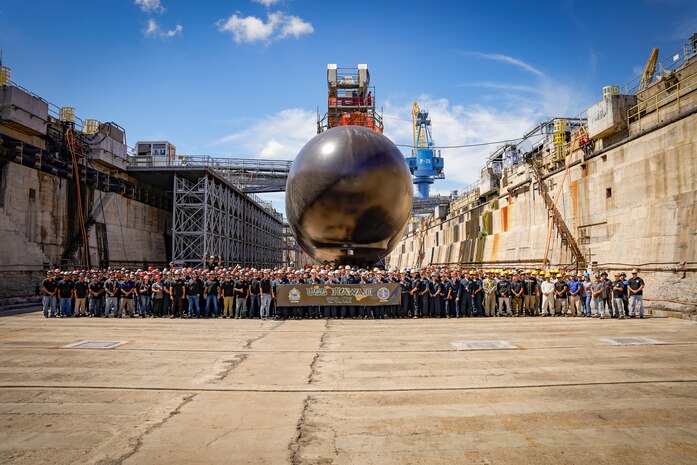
245,77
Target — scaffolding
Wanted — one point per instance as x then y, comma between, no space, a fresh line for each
210,217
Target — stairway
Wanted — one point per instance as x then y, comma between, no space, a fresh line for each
75,243
567,239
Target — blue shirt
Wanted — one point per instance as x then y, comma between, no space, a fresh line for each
573,286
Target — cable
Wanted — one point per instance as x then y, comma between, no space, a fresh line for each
480,144
70,137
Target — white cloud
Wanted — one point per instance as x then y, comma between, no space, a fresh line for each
267,3
278,25
277,136
173,32
150,5
509,60
153,29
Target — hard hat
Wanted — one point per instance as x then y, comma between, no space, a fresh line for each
635,271
586,275
548,275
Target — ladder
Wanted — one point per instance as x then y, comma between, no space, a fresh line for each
567,239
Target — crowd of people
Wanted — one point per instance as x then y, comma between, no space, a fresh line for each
429,292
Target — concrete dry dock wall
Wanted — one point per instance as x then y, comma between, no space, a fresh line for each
632,205
35,217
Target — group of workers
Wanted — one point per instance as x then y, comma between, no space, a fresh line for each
435,292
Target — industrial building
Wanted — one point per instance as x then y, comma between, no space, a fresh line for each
73,194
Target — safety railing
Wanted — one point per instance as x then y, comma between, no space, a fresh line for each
671,95
671,62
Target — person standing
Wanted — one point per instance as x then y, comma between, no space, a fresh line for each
517,290
227,288
194,289
127,289
211,290
65,295
636,294
587,294
49,288
144,295
242,292
80,292
597,290
489,287
618,290
575,291
178,292
561,290
111,291
547,290
531,292
503,292
157,297
96,291
265,295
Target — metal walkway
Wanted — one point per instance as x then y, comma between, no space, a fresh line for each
250,175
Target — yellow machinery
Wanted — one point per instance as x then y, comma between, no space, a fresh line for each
649,70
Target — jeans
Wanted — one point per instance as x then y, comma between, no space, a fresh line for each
599,306
49,301
112,303
619,307
254,305
66,306
587,304
144,304
194,304
265,304
241,307
211,301
95,305
633,300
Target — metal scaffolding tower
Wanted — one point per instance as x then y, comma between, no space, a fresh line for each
211,217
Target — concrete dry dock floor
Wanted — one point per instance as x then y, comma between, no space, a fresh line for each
347,392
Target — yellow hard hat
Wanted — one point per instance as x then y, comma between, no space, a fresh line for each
548,275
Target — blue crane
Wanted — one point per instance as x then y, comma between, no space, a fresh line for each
425,164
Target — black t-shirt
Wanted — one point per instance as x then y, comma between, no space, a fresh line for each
96,286
530,286
65,289
256,285
560,286
517,286
81,289
265,285
193,287
228,288
503,288
50,286
618,293
145,288
177,288
634,284
212,286
243,285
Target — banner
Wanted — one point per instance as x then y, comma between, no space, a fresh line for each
306,295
